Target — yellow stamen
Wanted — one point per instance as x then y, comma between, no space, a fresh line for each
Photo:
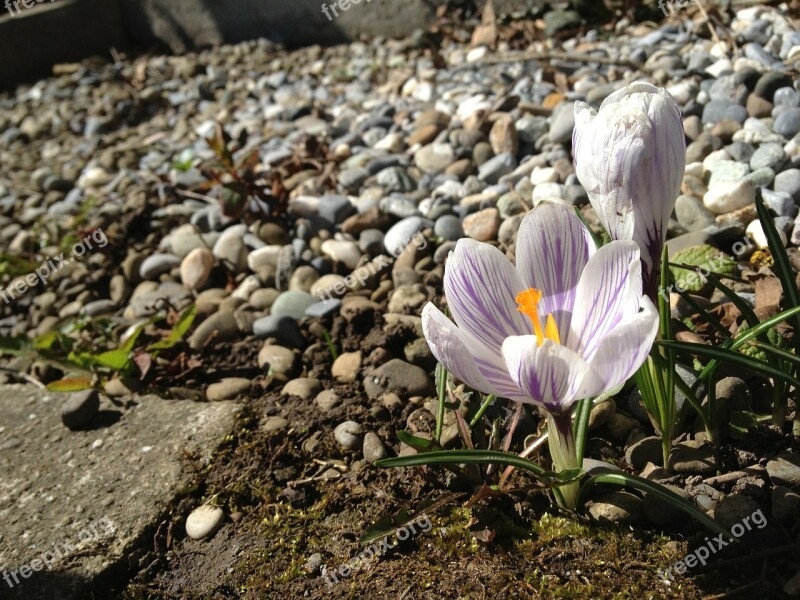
528,302
551,330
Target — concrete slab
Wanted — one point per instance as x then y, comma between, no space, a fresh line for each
74,504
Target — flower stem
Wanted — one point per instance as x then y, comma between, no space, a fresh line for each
564,454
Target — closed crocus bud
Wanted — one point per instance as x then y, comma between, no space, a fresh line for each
630,156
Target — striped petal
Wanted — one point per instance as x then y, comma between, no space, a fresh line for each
481,285
631,157
553,247
553,376
625,349
465,358
610,289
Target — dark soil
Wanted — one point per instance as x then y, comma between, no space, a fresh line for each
283,512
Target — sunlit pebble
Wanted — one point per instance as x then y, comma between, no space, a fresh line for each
96,444
146,449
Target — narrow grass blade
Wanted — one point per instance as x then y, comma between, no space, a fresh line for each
481,457
731,357
482,410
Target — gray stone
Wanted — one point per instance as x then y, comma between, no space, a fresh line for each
781,203
401,233
80,408
562,122
761,177
277,358
726,88
733,393
370,242
335,209
399,207
284,329
229,248
786,96
721,110
647,450
733,509
292,304
98,307
511,204
785,505
616,508
351,179
601,413
323,308
228,389
494,168
348,435
158,264
397,375
273,424
303,387
219,327
148,303
620,426
434,158
691,214
784,469
787,123
327,400
395,179
768,155
788,181
448,227
693,457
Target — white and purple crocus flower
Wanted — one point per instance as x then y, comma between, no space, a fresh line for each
567,322
630,156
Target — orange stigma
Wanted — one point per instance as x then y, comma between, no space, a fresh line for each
528,302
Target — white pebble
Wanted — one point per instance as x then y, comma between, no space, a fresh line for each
204,521
728,196
756,233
